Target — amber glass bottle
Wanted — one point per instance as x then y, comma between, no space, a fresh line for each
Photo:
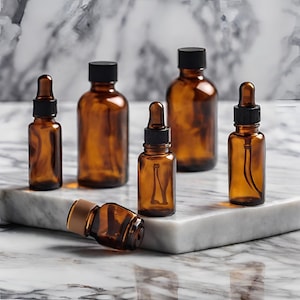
156,168
111,225
192,113
246,152
102,130
45,151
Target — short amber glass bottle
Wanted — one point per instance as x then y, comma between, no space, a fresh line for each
111,225
192,113
102,130
45,150
246,152
156,168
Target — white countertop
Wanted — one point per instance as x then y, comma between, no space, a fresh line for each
39,263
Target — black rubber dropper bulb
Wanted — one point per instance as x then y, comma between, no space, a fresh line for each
156,133
45,88
247,112
44,105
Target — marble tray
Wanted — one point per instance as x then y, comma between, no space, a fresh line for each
204,219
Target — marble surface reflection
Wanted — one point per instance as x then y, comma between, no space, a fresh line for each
39,264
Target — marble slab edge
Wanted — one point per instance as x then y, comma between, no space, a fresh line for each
229,226
218,227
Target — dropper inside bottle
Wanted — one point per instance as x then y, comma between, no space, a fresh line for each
44,88
250,114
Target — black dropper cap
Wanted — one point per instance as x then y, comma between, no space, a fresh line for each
191,58
156,133
103,71
247,112
44,105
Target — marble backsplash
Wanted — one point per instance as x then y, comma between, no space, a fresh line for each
249,40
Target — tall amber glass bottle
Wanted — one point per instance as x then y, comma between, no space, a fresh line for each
192,113
45,151
111,225
246,152
156,168
102,130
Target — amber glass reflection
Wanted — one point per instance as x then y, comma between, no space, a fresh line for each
117,227
247,281
45,154
156,181
246,168
192,116
102,137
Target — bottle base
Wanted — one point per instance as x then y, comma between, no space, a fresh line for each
100,185
247,201
196,167
45,186
156,213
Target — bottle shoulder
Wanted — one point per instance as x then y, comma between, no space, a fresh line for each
45,121
198,84
113,99
39,123
254,135
155,156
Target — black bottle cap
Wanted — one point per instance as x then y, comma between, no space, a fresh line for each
103,71
44,105
247,112
191,58
156,133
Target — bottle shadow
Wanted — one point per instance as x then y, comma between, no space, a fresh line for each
89,250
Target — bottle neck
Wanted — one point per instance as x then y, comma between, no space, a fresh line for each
135,234
156,149
192,73
103,86
44,119
247,129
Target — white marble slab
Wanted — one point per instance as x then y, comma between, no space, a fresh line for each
204,219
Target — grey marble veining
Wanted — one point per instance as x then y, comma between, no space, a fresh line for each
245,40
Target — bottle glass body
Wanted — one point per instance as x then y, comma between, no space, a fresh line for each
246,165
117,227
192,115
156,182
45,154
102,137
